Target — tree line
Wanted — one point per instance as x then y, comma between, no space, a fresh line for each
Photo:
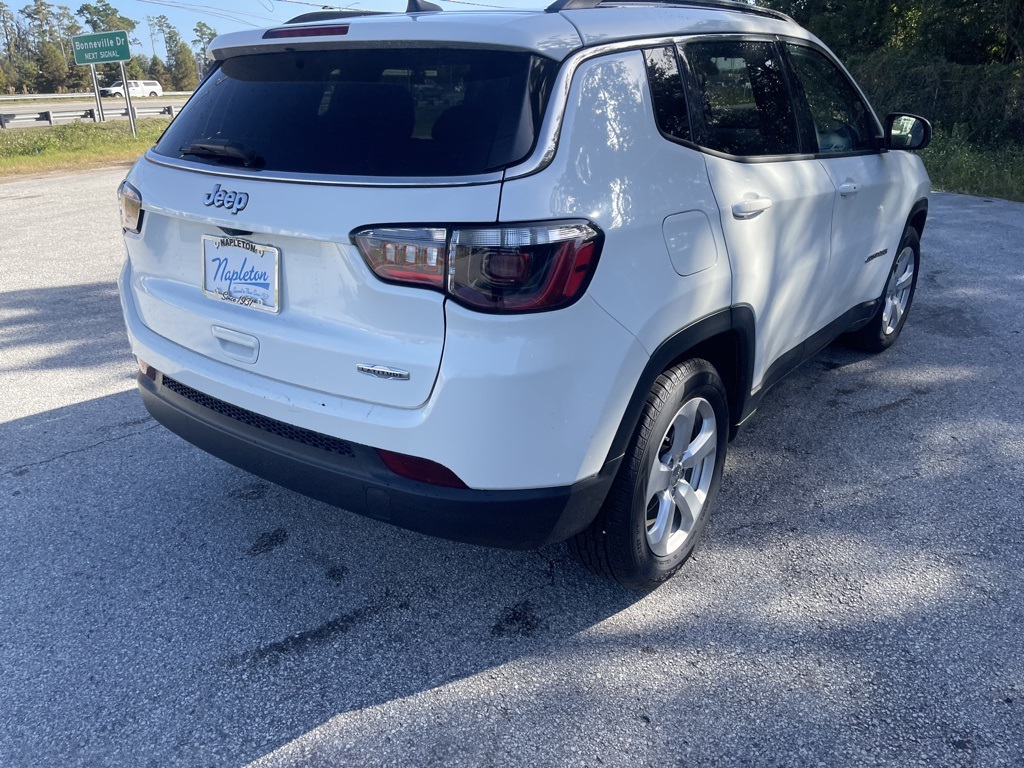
36,54
960,64
966,33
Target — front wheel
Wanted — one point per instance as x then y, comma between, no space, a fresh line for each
152,94
658,505
885,325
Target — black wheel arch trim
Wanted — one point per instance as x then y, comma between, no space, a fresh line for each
738,321
918,213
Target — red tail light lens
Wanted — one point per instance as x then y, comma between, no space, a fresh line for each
524,268
405,255
521,269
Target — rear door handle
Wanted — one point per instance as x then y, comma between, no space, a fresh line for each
748,209
849,188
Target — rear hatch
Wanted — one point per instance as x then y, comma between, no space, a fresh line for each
250,196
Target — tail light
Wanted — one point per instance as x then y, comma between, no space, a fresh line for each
129,204
522,268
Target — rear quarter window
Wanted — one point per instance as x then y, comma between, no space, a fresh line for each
371,112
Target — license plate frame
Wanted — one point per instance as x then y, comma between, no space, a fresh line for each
242,272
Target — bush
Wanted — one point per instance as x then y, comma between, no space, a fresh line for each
982,104
957,165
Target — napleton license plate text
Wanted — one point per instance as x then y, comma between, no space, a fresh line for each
241,272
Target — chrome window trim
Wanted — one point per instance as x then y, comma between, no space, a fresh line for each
323,179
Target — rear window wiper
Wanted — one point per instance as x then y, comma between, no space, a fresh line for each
223,149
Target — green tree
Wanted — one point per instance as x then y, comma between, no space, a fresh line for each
27,72
78,80
101,16
204,36
163,29
41,22
978,32
157,71
53,69
849,27
990,31
137,67
182,65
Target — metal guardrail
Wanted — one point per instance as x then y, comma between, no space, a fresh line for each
57,96
51,117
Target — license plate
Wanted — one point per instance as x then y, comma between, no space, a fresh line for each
241,272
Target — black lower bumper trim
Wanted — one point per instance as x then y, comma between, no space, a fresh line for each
353,477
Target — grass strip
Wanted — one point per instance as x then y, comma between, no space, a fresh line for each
75,145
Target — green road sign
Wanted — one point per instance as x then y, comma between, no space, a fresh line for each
101,48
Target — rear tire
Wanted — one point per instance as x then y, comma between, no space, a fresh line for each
658,505
885,325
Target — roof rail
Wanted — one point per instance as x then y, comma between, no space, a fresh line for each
717,5
330,16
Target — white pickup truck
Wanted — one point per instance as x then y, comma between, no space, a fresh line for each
135,88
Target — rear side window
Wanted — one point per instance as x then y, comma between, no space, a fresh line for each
369,112
742,102
667,92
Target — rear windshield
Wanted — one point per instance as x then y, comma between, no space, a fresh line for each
368,112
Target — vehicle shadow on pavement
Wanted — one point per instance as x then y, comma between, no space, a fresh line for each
164,605
78,326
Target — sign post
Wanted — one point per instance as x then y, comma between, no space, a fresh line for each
100,117
105,48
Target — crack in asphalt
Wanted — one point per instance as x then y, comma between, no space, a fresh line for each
25,468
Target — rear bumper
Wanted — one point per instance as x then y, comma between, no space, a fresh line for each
353,477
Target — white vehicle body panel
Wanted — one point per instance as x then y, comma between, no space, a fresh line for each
514,395
335,314
871,208
601,173
779,256
549,34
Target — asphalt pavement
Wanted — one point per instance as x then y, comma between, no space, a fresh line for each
857,600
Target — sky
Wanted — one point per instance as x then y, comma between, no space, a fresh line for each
234,15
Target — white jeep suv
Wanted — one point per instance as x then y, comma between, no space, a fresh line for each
513,277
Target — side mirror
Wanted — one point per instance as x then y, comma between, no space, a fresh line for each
905,131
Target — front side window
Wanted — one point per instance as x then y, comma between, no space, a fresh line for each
842,122
367,112
742,105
